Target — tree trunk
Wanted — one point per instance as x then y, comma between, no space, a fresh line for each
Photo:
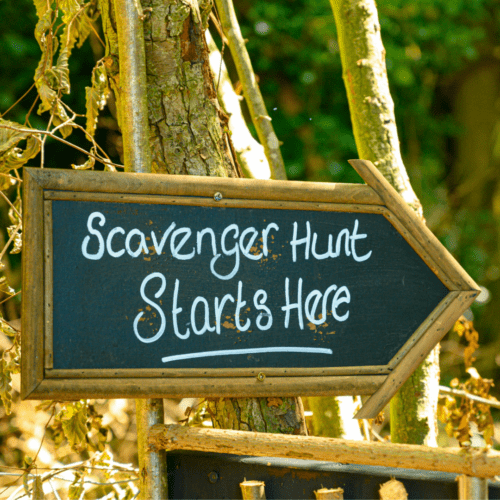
189,135
375,132
276,415
334,417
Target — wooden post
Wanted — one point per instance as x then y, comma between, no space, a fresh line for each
253,490
393,490
472,488
329,494
137,158
152,464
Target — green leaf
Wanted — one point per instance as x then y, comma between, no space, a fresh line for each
89,164
11,156
6,385
47,95
96,96
43,25
42,6
15,232
74,424
38,489
69,8
7,329
60,116
76,490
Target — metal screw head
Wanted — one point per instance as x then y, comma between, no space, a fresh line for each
217,196
213,477
261,377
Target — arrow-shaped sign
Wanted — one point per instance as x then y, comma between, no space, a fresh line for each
170,285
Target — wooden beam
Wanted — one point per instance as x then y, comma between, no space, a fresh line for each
190,185
478,463
164,387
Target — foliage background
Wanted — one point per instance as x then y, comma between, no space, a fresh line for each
443,61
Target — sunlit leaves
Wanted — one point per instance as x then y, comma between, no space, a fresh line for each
88,165
76,489
37,493
459,412
81,425
96,96
6,385
52,80
11,155
465,328
9,364
15,235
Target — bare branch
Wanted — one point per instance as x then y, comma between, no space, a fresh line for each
258,112
60,139
458,392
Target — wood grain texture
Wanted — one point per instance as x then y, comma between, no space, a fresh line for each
66,389
210,202
48,285
188,185
215,372
32,343
423,328
479,463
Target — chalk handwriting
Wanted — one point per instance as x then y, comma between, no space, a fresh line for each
300,243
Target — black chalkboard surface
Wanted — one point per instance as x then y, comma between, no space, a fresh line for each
155,286
138,285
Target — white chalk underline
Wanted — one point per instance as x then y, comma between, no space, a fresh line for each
229,352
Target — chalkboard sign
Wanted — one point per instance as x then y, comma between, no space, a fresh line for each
179,285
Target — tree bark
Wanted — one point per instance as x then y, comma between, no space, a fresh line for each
275,415
374,125
333,417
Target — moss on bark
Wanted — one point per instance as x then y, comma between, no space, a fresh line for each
274,414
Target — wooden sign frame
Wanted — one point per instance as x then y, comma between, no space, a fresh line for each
41,381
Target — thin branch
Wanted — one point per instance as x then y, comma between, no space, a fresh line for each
251,155
60,139
11,177
458,392
89,137
42,146
11,204
88,481
10,297
376,435
27,119
45,433
258,112
54,491
218,27
18,101
11,239
96,34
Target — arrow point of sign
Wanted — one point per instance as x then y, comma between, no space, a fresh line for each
463,289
